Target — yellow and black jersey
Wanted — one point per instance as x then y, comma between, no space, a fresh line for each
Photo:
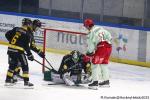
33,45
19,39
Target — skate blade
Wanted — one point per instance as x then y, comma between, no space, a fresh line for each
28,87
104,86
9,84
18,86
93,87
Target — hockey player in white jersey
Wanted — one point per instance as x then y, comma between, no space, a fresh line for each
99,50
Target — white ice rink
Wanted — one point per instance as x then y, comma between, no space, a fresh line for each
126,80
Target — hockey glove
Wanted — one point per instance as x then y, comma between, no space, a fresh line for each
30,57
41,54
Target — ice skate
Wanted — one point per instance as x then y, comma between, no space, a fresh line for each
93,85
104,84
9,82
86,79
28,84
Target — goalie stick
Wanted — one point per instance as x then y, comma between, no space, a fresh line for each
55,83
63,84
77,86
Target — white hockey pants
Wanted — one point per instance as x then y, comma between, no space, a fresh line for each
100,72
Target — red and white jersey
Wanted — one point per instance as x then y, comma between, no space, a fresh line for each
97,35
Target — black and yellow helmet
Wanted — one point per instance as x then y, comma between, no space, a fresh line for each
37,23
26,21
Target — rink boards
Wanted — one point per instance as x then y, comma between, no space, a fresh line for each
127,42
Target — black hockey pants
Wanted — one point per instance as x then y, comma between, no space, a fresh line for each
13,59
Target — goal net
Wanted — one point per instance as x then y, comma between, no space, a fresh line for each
54,41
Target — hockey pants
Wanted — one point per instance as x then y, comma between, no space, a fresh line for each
13,59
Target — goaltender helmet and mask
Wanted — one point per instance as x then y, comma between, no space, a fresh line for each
88,23
75,55
36,24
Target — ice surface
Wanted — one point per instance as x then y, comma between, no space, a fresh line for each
126,80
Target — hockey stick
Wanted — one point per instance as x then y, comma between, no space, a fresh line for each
50,64
42,64
55,83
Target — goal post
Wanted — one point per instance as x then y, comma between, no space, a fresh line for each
61,41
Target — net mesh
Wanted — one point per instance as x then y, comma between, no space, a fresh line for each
59,41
